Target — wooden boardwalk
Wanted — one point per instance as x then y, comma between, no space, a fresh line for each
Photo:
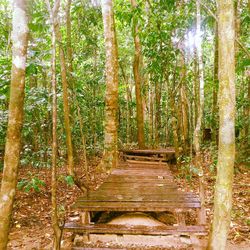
150,154
136,186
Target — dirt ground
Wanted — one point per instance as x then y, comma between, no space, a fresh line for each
31,223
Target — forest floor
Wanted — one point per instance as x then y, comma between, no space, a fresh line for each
31,223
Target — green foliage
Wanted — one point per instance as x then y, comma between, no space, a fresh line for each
1,165
187,169
69,180
163,28
33,183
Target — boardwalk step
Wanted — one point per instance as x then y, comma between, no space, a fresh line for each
135,205
135,230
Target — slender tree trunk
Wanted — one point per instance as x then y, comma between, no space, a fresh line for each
215,87
247,112
15,122
35,125
55,223
94,106
71,79
110,158
196,90
197,132
151,117
226,153
237,26
66,108
184,112
128,108
138,82
174,122
69,44
158,90
54,216
184,106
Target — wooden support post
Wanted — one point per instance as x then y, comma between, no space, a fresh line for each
180,217
202,210
85,219
196,243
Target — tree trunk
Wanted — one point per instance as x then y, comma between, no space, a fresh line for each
69,44
184,106
15,121
110,158
226,153
197,132
151,116
215,88
174,124
128,108
55,223
138,82
54,216
247,112
184,115
66,108
158,90
71,80
237,8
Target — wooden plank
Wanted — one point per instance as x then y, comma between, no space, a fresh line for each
134,206
167,187
156,172
135,230
150,152
116,185
140,184
140,176
137,178
126,190
144,182
144,157
145,190
143,169
161,195
144,162
147,167
139,198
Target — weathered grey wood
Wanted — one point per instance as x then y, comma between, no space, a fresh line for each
139,187
85,217
150,151
135,230
139,198
149,183
180,216
122,179
144,162
144,189
142,206
135,187
157,159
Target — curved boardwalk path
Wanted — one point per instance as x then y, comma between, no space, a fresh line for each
138,186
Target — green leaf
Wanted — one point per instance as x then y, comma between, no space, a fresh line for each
69,180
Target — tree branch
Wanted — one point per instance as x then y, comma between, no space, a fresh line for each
236,39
